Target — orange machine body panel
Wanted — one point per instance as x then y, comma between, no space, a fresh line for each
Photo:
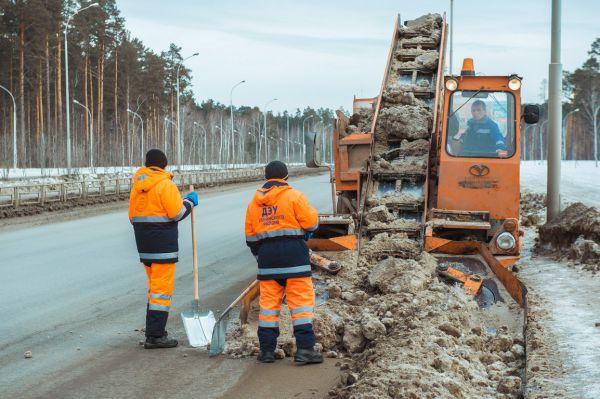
352,152
498,190
486,184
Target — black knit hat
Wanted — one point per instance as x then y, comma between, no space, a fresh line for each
156,157
276,170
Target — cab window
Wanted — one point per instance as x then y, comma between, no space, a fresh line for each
481,124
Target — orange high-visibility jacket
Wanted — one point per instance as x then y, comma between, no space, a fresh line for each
155,207
277,219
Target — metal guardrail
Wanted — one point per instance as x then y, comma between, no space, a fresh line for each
40,194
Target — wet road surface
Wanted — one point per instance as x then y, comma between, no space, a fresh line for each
74,294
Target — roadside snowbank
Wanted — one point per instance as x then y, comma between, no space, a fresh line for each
580,180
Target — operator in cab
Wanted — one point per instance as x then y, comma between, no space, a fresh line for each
482,136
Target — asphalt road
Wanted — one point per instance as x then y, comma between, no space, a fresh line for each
74,294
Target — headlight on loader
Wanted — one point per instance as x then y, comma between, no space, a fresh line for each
451,84
506,241
514,82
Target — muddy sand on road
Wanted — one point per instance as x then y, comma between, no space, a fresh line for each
398,331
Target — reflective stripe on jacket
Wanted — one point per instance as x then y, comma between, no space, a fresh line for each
155,207
276,220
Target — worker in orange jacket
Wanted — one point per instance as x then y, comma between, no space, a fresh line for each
278,221
155,208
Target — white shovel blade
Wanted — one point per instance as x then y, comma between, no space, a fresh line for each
198,327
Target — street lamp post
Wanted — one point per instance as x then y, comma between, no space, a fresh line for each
265,123
303,140
231,110
179,141
564,134
14,126
554,115
142,122
67,83
91,132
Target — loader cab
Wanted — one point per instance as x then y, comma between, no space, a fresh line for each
478,183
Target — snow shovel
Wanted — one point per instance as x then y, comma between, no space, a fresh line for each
217,343
198,323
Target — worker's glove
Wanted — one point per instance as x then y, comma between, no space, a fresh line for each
193,198
308,235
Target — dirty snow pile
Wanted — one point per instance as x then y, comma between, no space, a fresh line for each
410,158
380,217
575,234
405,334
532,208
242,340
400,332
409,121
361,121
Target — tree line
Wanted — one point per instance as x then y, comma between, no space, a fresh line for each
117,88
581,114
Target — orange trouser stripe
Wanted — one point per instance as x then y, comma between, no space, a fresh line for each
161,282
271,295
300,299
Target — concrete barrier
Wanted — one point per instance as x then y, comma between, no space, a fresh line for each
39,194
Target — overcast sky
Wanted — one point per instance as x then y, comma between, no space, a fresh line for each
322,53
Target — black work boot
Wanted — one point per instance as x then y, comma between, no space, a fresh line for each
266,357
162,342
308,356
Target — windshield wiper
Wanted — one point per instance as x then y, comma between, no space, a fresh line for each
498,102
466,102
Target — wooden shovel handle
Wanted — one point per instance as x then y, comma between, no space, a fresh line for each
250,292
246,301
195,254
